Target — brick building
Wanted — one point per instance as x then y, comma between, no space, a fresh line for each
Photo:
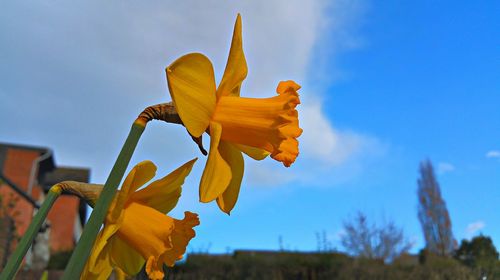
26,174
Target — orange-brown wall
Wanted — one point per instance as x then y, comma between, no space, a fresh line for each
17,168
62,216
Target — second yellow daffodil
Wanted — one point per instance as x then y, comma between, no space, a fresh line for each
137,231
255,126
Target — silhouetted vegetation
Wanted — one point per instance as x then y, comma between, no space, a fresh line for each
281,265
290,265
480,255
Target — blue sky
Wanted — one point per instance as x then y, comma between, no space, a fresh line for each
425,83
385,85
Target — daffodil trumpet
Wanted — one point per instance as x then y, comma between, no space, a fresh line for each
257,127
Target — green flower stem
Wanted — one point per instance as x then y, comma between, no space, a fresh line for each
83,248
10,270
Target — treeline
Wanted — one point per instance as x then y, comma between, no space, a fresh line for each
288,265
475,259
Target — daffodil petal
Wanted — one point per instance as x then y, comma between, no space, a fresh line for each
236,67
101,244
233,157
98,265
102,268
119,274
163,194
217,173
191,83
255,153
142,173
124,256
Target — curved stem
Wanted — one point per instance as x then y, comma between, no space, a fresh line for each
83,248
10,270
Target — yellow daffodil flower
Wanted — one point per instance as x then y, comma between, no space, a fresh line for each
137,231
256,126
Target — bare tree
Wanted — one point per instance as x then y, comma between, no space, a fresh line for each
385,242
433,214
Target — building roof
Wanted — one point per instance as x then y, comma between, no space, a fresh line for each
48,173
45,164
60,174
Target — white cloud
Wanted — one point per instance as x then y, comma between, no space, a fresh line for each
444,167
493,154
323,142
473,228
92,66
267,173
318,171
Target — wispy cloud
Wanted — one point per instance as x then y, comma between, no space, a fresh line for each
473,228
444,167
323,142
113,56
493,154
